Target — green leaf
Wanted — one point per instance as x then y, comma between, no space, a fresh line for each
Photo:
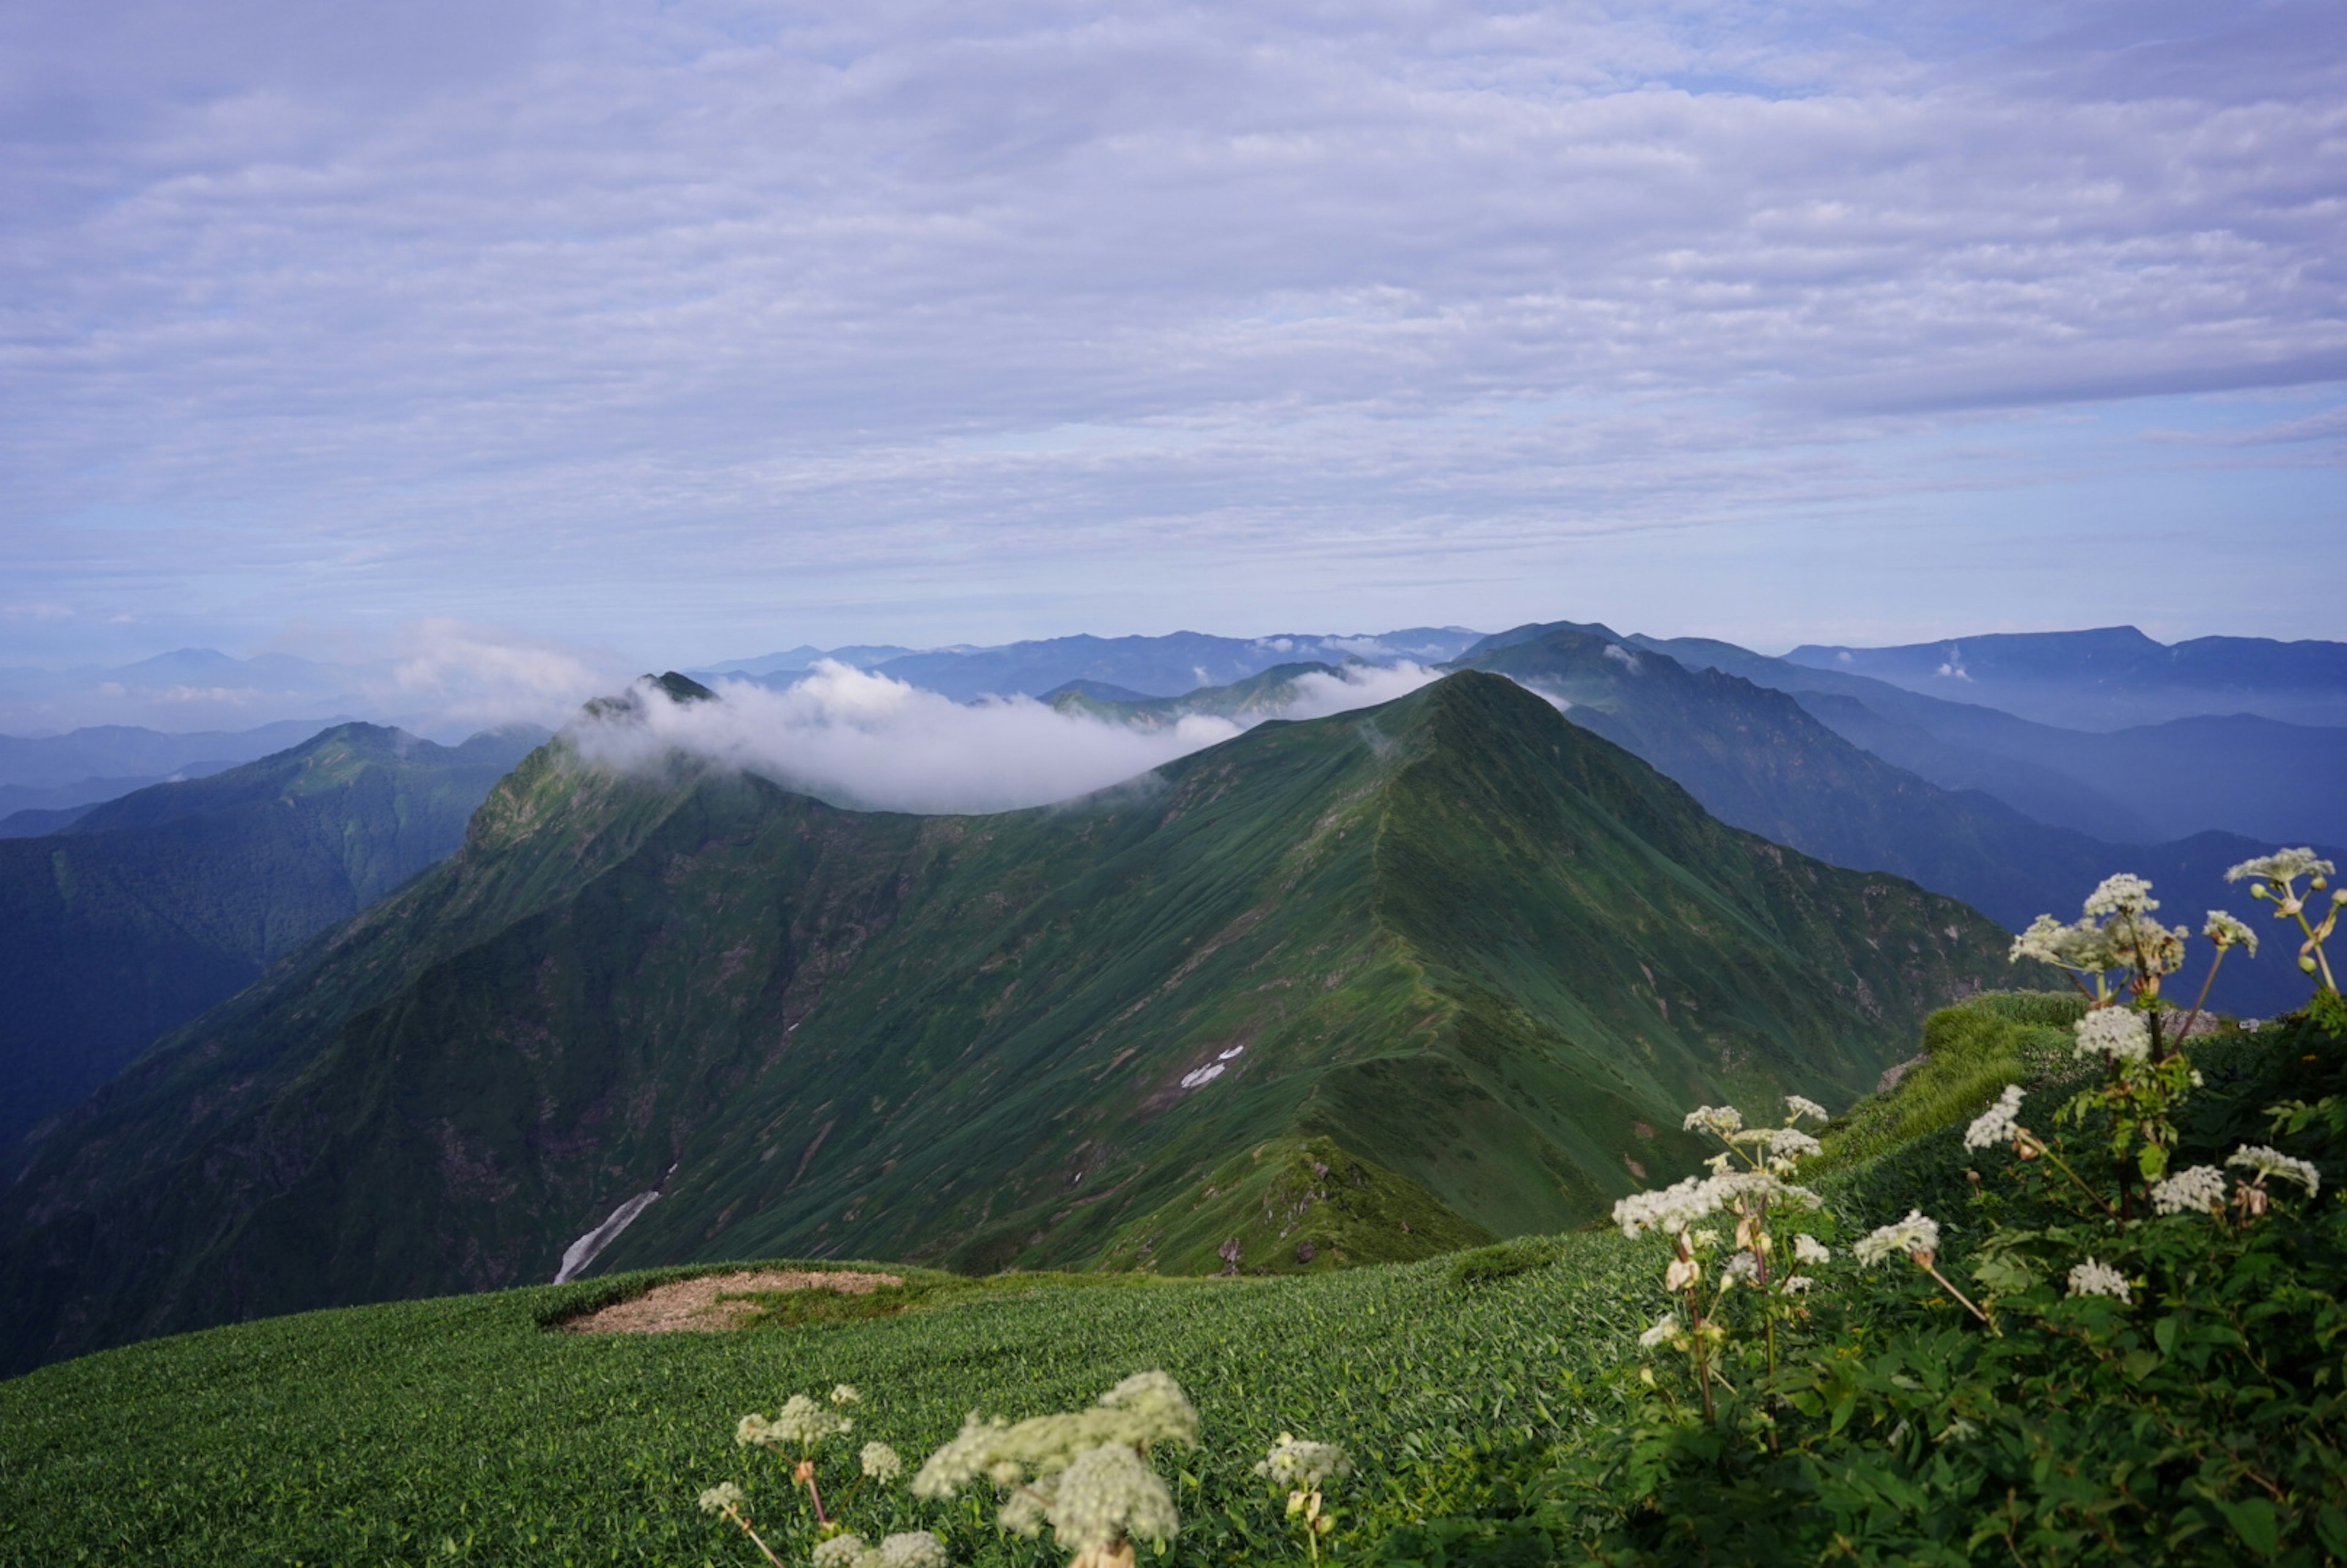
2254,1522
2152,1160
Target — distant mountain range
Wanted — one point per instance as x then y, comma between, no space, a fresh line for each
1484,952
1165,666
47,782
2112,677
155,906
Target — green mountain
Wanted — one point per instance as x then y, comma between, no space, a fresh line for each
153,908
1757,759
1265,694
1396,978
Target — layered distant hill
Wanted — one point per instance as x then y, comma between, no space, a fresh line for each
153,908
1165,666
1757,758
2112,677
1481,957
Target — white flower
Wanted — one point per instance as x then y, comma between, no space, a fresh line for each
839,1552
845,1394
2115,1034
1743,1266
1666,1329
721,1497
1682,1274
2282,865
2268,1162
1959,1430
2081,946
1797,1107
912,1548
802,1425
2123,893
1810,1249
1786,1143
1913,1234
1302,1466
2201,1187
1995,1124
2091,1278
1148,1408
1109,1494
1798,1285
1670,1211
2229,932
881,1462
1718,1121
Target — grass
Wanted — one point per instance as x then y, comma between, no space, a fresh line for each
461,1431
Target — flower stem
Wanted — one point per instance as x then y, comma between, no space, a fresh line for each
755,1539
2063,1166
1933,1269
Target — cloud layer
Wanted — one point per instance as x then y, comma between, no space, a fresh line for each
871,742
900,319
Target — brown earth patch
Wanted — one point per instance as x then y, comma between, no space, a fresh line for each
713,1302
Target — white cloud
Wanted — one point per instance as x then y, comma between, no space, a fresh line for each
867,741
457,674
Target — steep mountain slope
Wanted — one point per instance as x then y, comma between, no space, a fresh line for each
1757,759
2113,676
1483,957
150,908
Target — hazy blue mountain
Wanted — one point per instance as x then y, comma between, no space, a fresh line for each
153,908
798,660
2239,774
2112,677
118,751
1757,759
1167,666
191,688
1266,694
1489,953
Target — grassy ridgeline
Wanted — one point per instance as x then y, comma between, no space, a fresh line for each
379,1434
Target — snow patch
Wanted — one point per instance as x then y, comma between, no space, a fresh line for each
580,1253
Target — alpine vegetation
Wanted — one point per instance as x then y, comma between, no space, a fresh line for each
797,1433
1302,1469
1084,1472
2142,1366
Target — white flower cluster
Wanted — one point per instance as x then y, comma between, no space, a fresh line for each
2268,1162
2081,946
912,1548
1106,1494
1665,1330
881,1462
2093,1278
2282,865
2124,894
1798,1285
2228,931
1786,1143
1682,1203
1742,1268
1913,1234
718,1499
1810,1249
1302,1466
1798,1106
1719,1120
1038,1456
2113,1034
802,1425
2201,1187
1995,1126
2116,932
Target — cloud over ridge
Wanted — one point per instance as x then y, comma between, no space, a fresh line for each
872,742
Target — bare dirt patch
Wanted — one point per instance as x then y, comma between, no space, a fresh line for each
714,1302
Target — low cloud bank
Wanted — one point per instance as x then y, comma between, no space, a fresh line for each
864,740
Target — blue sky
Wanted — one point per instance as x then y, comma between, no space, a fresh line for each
691,329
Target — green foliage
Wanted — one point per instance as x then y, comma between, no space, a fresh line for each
1971,1051
2200,1420
1505,1261
385,1434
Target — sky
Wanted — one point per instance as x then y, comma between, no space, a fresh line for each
658,334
